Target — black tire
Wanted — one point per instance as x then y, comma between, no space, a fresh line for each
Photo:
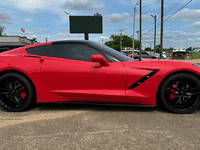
180,93
16,92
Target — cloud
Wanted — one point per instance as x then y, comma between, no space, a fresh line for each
40,30
187,15
19,32
145,3
124,18
32,5
103,37
88,5
173,39
64,30
28,20
30,32
144,18
117,18
149,3
5,19
50,6
65,36
195,25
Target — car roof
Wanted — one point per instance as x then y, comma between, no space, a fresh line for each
71,41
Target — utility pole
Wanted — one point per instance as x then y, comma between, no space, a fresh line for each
138,32
161,30
154,32
46,39
120,39
86,36
134,30
150,44
140,29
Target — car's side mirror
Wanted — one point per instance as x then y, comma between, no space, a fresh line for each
100,59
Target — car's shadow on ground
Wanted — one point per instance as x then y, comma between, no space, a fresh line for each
94,107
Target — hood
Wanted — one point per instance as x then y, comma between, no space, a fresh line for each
154,64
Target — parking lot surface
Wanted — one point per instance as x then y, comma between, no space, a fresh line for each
77,127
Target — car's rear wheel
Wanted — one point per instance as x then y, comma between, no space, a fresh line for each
180,93
16,92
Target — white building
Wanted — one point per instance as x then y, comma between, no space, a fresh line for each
11,42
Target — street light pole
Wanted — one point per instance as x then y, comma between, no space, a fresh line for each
67,13
140,29
120,39
134,29
161,29
154,32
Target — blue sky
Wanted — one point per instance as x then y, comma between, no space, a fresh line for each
46,18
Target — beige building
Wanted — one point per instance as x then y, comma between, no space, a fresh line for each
11,42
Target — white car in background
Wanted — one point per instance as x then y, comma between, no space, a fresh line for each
158,55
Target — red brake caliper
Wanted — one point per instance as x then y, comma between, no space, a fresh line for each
172,96
22,94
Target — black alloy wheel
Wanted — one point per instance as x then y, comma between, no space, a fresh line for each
16,92
180,93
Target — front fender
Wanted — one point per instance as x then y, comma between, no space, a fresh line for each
3,65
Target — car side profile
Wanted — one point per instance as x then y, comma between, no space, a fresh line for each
85,71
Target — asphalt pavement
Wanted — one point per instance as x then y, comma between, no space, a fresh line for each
93,127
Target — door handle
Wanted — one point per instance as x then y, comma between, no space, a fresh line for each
41,60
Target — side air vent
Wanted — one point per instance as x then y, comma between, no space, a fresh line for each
147,76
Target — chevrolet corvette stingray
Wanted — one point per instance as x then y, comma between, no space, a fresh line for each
85,71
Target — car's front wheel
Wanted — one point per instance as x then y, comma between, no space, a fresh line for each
16,92
180,93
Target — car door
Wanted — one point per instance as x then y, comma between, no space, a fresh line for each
69,72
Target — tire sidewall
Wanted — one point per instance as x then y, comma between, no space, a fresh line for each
30,89
167,82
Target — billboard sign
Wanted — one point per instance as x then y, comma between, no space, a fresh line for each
85,24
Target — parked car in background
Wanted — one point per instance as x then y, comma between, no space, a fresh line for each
144,55
196,49
178,53
158,55
129,51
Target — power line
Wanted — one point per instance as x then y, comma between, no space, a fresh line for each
165,14
150,25
149,10
150,5
170,16
178,11
174,6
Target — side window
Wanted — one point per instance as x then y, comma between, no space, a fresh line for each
35,50
68,51
44,50
81,52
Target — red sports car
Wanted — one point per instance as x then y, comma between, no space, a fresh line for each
84,71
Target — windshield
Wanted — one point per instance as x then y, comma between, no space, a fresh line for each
111,52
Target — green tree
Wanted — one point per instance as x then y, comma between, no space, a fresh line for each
126,42
2,29
147,49
158,48
189,49
114,43
34,39
170,49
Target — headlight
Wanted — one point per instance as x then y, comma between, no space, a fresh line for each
197,65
